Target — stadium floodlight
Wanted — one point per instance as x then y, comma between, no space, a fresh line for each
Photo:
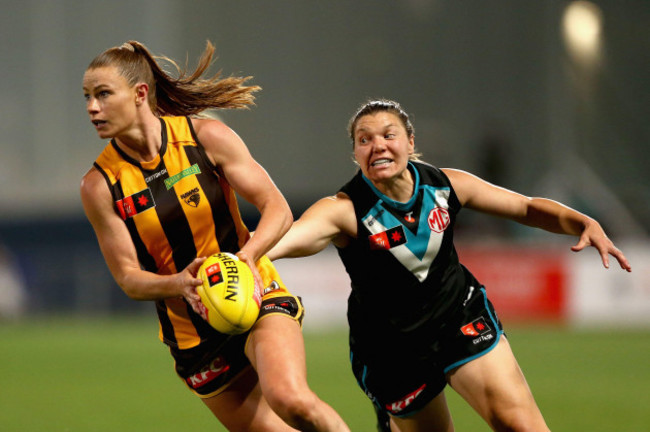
582,30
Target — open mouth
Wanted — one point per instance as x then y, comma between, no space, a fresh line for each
381,162
98,123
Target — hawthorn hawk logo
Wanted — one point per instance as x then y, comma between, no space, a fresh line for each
192,197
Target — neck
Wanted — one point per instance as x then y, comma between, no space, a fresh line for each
400,188
143,140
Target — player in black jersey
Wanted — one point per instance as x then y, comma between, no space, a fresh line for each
161,197
418,318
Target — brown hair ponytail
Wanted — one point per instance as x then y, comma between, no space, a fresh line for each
184,95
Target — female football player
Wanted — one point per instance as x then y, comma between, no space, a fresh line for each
419,320
161,197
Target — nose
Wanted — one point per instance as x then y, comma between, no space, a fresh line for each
91,105
378,144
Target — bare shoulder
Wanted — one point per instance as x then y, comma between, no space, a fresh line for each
465,184
334,206
208,127
347,220
91,183
95,195
456,175
219,140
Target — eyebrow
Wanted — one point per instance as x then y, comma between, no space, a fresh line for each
98,87
388,126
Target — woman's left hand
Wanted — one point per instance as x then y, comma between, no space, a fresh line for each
593,235
243,256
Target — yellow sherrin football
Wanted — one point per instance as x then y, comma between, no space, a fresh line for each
228,293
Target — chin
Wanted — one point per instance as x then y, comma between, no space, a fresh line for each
104,134
379,178
383,172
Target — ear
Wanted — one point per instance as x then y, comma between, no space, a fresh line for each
141,93
412,144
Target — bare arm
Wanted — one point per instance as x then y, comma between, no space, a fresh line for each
251,182
329,220
543,213
120,254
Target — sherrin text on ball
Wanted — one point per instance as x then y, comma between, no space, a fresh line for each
228,293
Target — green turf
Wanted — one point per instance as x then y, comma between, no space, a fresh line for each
108,374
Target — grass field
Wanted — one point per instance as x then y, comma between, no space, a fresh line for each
108,374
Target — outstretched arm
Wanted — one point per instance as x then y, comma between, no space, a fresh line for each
329,220
543,213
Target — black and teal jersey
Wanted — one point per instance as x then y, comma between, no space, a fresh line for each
404,269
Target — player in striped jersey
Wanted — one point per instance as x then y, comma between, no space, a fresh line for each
161,197
419,320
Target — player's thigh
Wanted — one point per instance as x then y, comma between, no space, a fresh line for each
241,406
493,383
434,417
276,350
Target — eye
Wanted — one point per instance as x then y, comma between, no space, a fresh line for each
103,93
389,135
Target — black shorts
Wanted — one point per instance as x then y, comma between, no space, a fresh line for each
402,383
208,368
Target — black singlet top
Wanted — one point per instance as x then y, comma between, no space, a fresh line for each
405,274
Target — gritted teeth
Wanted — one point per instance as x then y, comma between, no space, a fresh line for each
381,162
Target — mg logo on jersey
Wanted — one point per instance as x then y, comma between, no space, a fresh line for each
438,219
400,405
208,373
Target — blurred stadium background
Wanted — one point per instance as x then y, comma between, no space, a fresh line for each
547,98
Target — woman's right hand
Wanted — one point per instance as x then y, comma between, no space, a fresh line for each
188,281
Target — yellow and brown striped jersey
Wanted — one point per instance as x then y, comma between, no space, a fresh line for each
176,207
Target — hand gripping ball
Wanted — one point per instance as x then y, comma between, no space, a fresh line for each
228,293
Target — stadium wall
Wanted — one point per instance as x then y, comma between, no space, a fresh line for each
527,283
56,267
